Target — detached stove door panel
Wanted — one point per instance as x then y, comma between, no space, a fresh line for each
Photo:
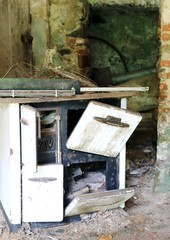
42,185
103,129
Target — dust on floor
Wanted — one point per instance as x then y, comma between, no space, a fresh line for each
146,216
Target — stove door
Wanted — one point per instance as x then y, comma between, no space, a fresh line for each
42,185
103,129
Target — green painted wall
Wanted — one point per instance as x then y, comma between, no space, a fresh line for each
132,30
144,3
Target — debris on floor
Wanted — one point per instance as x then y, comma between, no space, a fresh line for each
105,237
145,216
95,181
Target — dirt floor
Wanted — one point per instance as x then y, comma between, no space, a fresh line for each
146,215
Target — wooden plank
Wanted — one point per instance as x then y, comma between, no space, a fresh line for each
77,97
100,201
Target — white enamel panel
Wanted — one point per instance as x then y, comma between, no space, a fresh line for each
42,186
122,155
29,138
10,173
43,194
95,137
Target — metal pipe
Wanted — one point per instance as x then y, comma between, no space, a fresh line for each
58,155
121,78
114,89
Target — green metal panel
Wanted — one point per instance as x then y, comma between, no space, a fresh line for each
38,84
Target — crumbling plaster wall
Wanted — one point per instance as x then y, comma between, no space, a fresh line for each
162,182
14,23
52,22
39,30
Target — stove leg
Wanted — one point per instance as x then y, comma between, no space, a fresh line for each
112,174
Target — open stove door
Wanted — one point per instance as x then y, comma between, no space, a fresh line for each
103,129
42,185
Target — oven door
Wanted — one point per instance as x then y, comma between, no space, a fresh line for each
42,185
103,129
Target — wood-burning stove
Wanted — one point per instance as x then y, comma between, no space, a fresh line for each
35,162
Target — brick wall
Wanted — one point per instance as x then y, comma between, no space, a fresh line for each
162,181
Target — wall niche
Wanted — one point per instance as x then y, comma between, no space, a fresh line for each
125,48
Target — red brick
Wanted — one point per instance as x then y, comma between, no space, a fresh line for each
165,37
163,94
166,27
165,64
163,86
168,75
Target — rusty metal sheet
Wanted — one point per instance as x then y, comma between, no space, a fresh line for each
103,129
